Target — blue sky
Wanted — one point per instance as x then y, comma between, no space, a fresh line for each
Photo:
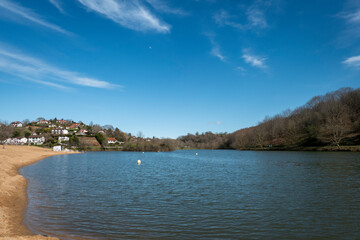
170,67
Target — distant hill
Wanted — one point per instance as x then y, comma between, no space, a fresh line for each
328,122
324,121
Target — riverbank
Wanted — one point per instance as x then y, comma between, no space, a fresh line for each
306,149
13,197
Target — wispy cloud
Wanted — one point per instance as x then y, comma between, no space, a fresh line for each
32,69
351,17
241,69
163,6
353,62
223,18
256,18
215,123
29,15
57,4
254,13
128,13
254,60
215,49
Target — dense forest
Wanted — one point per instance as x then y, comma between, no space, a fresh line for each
329,122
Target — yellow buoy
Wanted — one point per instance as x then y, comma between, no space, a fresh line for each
139,162
196,154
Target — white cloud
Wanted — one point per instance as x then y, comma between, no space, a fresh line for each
57,4
223,18
215,123
128,13
162,6
29,15
353,17
353,61
241,69
35,70
215,51
254,61
256,18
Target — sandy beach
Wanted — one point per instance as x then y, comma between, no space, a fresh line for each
13,197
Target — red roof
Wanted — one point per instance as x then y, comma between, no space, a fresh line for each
112,139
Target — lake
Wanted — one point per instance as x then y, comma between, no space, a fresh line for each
217,194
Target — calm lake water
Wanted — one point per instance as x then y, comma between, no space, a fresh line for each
178,195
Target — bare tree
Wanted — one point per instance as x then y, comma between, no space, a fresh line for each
26,122
5,132
140,135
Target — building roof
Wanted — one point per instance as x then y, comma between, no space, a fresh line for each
112,139
36,136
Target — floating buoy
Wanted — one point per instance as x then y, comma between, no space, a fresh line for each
143,152
139,162
196,154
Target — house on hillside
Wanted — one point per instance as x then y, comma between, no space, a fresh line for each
16,141
36,139
17,124
82,132
43,122
62,121
74,125
52,126
57,148
60,131
112,141
63,139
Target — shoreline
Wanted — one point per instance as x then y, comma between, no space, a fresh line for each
13,186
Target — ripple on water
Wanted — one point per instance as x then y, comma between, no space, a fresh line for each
178,195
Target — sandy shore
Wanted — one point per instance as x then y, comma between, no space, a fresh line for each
13,197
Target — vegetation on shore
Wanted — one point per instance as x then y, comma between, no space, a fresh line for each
326,123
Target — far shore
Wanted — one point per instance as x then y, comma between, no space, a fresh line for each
13,197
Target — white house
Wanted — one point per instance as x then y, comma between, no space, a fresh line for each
36,139
57,148
82,132
16,141
52,126
60,131
112,141
43,122
64,139
17,124
62,121
73,126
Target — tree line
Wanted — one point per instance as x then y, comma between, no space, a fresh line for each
331,120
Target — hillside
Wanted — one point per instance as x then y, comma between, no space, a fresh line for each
329,122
